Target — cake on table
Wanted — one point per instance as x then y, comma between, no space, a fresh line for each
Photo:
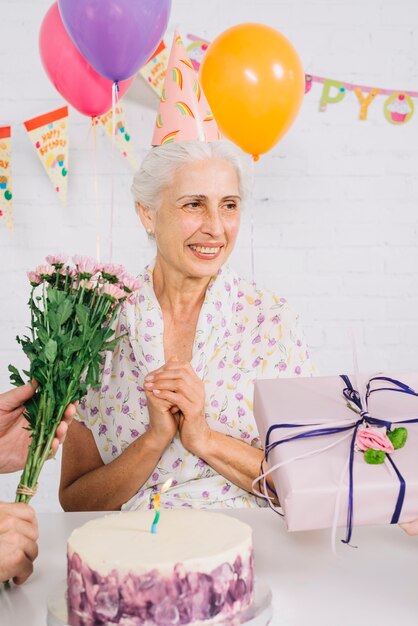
196,569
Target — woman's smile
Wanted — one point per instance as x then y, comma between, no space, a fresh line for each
206,251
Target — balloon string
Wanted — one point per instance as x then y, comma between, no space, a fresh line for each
252,253
96,191
252,243
115,99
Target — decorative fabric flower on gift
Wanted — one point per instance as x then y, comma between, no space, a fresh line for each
73,310
376,442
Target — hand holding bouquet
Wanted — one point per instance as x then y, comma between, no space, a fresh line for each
73,310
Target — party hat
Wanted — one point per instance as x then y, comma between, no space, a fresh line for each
184,113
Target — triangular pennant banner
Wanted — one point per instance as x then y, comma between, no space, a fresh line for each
196,49
122,136
49,135
6,209
155,68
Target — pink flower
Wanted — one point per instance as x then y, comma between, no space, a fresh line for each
45,271
87,285
86,266
70,271
58,260
113,291
34,278
130,283
113,272
374,438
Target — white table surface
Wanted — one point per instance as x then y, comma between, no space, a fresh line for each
373,585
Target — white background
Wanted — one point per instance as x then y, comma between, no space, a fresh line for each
334,207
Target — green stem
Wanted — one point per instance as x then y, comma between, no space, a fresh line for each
32,318
45,307
40,448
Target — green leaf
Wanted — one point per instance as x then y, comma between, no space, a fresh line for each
32,408
51,350
55,296
65,338
111,345
75,345
38,371
82,313
398,437
64,311
29,348
92,377
52,296
80,392
374,457
53,320
15,377
42,334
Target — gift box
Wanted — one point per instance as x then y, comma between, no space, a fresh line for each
321,481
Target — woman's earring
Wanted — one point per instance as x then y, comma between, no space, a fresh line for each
149,231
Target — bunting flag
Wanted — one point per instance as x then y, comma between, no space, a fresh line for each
154,69
196,49
122,136
49,135
398,107
6,209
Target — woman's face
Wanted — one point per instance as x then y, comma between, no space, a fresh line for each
198,220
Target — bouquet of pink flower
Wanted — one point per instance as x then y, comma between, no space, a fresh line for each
73,310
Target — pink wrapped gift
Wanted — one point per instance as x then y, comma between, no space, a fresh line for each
313,472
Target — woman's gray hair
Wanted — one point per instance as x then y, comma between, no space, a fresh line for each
156,171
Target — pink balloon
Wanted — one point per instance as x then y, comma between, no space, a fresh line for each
85,89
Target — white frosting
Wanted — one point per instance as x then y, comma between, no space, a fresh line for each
199,540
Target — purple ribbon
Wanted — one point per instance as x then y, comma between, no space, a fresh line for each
352,395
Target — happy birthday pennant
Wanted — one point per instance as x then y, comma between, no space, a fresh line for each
6,209
122,136
49,135
154,69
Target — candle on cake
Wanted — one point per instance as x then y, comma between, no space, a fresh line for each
157,503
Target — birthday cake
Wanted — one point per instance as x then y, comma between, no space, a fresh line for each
196,569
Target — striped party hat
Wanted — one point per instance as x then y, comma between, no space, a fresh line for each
184,113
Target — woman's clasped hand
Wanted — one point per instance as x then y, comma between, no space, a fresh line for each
177,393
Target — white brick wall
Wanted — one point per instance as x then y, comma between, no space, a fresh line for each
335,204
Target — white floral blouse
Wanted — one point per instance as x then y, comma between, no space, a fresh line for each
242,333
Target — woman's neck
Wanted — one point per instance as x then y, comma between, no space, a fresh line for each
178,294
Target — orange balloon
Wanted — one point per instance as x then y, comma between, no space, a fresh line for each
254,82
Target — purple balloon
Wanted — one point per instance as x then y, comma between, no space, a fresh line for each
116,37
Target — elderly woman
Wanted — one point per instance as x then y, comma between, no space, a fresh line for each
176,395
